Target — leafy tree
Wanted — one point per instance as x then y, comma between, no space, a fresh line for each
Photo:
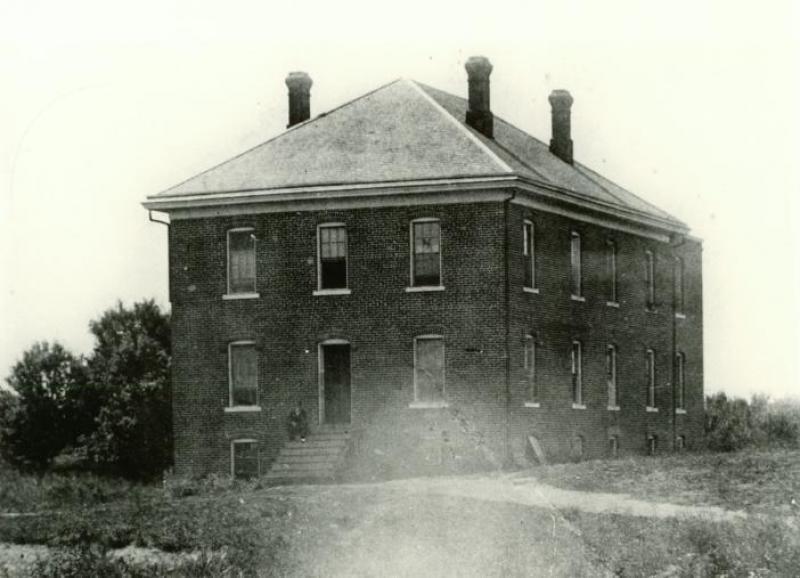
50,410
131,361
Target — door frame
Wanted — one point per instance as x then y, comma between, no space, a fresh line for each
321,376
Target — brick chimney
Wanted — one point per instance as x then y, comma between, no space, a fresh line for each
561,143
479,113
299,84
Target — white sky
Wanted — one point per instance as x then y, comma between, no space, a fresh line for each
692,105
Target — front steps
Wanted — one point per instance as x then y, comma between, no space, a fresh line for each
315,461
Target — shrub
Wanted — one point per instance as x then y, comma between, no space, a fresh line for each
733,424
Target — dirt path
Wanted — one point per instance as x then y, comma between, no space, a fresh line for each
529,492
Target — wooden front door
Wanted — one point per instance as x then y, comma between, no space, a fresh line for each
336,383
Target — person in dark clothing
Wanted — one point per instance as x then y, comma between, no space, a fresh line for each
298,423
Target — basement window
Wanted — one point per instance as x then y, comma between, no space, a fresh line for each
241,262
243,374
613,446
244,459
332,258
652,445
426,254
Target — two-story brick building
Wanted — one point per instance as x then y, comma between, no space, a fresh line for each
445,288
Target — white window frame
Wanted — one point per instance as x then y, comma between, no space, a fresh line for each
650,280
430,404
319,291
529,364
233,455
650,361
611,381
611,271
576,267
240,408
529,254
412,288
680,386
245,294
576,370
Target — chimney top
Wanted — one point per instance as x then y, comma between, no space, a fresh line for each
299,84
479,112
561,143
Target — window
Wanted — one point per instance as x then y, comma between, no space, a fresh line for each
529,254
611,270
611,376
678,279
650,376
426,257
576,447
244,459
613,446
680,443
680,377
429,369
241,261
243,373
652,443
650,279
575,265
530,368
577,377
332,256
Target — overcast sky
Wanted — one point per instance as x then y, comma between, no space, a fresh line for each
692,105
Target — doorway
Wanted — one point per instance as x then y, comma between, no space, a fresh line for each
334,368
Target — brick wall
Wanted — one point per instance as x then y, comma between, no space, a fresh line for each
380,320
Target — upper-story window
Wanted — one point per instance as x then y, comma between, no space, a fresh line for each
611,271
530,368
575,275
678,279
241,261
529,254
650,377
611,376
243,373
426,255
577,374
650,279
680,375
332,256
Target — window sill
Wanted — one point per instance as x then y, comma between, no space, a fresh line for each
532,404
323,292
613,408
235,296
424,288
243,409
680,316
428,404
534,290
579,298
613,304
578,406
650,409
680,411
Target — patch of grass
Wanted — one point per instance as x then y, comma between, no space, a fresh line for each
753,480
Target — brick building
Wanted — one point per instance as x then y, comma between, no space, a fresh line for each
433,283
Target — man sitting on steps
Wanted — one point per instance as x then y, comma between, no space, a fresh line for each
298,423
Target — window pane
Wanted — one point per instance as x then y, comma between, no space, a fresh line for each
241,262
528,254
530,367
577,386
245,459
650,281
333,257
426,254
681,393
679,284
575,265
244,375
611,272
429,369
611,375
651,378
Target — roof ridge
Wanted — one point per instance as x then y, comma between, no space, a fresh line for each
493,155
279,135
